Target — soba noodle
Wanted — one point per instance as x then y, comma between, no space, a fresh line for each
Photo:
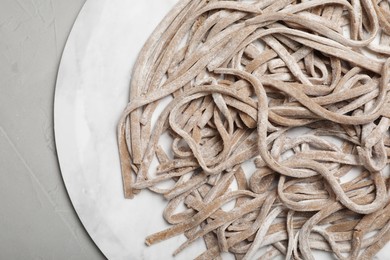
279,108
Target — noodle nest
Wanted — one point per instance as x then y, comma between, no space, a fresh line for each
269,121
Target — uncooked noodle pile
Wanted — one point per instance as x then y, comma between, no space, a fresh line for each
269,121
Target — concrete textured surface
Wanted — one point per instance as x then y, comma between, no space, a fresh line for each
37,220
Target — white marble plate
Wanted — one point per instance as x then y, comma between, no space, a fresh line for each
92,90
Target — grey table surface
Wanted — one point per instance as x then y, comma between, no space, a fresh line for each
37,220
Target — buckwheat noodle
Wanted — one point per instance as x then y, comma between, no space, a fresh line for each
280,109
